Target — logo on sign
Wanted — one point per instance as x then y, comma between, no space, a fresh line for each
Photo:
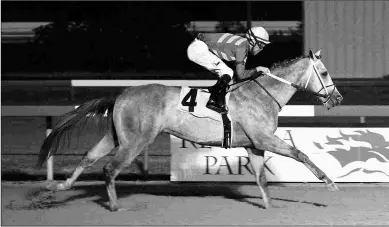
364,151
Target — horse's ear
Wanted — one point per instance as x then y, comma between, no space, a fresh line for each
310,54
317,54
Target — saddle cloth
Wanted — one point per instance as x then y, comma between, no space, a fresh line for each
193,101
201,98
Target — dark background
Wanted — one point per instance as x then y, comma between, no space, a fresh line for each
126,36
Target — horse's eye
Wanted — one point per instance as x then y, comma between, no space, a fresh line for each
324,73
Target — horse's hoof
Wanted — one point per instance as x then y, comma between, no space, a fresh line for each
62,186
117,209
113,209
271,205
56,186
332,187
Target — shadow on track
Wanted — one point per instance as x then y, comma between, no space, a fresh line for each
176,190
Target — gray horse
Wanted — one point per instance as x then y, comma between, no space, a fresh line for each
138,114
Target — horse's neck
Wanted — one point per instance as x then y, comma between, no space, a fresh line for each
283,92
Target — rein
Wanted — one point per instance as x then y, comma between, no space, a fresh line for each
253,78
298,87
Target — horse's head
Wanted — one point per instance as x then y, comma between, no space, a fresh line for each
319,81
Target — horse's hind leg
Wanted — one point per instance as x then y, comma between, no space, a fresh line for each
133,137
101,149
257,161
138,120
123,158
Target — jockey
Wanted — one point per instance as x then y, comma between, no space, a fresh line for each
210,49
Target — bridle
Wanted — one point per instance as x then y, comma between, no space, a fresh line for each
327,96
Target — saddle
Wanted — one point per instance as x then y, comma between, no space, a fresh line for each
193,101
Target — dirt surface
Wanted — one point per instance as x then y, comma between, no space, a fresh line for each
167,203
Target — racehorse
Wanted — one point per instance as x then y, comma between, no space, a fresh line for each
138,114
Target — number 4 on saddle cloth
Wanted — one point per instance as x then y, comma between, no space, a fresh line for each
194,100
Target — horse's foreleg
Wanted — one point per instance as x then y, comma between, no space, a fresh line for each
257,161
278,146
101,149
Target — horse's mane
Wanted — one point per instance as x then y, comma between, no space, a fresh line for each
286,63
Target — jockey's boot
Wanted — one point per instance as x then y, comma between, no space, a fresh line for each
216,102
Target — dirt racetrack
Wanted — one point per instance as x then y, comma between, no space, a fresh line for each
167,203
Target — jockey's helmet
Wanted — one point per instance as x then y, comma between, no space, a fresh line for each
257,34
258,38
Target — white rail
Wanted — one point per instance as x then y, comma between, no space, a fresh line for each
125,83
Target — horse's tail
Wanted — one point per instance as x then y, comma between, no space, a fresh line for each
96,109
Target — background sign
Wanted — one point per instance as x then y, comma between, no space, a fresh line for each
344,154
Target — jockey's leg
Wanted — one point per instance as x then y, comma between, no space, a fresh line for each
216,99
199,53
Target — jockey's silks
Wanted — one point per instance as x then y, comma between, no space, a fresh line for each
226,46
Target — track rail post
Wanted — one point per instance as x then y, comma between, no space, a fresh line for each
50,161
146,163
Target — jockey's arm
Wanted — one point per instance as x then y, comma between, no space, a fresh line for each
242,72
240,65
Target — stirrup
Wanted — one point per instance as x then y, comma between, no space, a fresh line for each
217,105
218,109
